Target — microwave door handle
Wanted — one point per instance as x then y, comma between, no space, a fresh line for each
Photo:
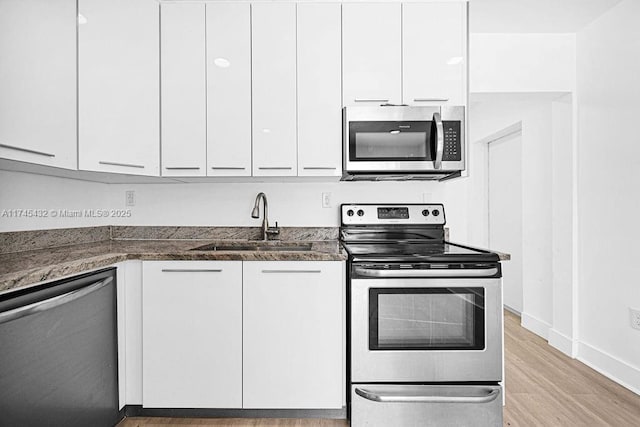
437,162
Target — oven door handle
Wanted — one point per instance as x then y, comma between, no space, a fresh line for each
369,272
437,162
375,397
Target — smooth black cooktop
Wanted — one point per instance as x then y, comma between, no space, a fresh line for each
417,252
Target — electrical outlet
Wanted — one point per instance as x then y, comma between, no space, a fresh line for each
634,318
326,200
130,198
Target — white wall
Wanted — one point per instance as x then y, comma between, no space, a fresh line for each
522,62
218,204
290,203
608,87
38,192
493,113
562,335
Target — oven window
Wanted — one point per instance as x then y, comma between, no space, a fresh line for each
389,141
426,319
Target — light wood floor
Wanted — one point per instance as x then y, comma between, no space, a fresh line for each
544,388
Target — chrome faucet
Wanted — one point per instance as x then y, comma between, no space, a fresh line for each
255,213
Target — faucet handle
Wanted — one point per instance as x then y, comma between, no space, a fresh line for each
273,231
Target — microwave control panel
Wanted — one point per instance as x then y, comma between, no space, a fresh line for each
452,140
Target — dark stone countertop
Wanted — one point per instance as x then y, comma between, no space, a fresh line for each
22,269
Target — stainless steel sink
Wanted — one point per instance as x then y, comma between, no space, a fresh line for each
254,247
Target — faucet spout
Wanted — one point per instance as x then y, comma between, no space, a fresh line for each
255,213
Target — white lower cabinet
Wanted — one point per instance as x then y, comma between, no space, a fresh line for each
293,334
234,334
192,334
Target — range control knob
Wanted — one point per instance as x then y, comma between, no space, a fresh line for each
425,212
435,212
360,212
350,212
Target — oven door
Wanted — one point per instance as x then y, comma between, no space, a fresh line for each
377,405
426,330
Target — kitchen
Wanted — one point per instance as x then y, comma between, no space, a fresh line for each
294,68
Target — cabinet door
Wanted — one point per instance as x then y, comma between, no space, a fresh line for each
183,90
319,90
228,89
434,53
371,53
293,334
274,89
192,334
38,82
118,63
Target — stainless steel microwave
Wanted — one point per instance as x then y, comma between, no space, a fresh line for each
403,142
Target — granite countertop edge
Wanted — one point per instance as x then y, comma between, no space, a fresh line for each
32,267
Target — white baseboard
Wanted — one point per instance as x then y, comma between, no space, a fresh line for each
563,343
535,325
610,366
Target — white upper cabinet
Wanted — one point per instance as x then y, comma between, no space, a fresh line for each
183,89
274,89
434,53
192,334
38,82
228,89
319,90
371,53
118,63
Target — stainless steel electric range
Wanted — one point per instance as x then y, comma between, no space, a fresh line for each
425,321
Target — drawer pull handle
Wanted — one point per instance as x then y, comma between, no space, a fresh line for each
126,165
319,168
430,99
187,168
230,168
27,150
370,100
191,270
274,168
292,271
375,397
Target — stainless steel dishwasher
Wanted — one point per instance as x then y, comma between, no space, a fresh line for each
58,353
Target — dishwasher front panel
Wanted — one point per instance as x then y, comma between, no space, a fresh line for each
58,357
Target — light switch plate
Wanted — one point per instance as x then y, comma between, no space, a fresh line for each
326,200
